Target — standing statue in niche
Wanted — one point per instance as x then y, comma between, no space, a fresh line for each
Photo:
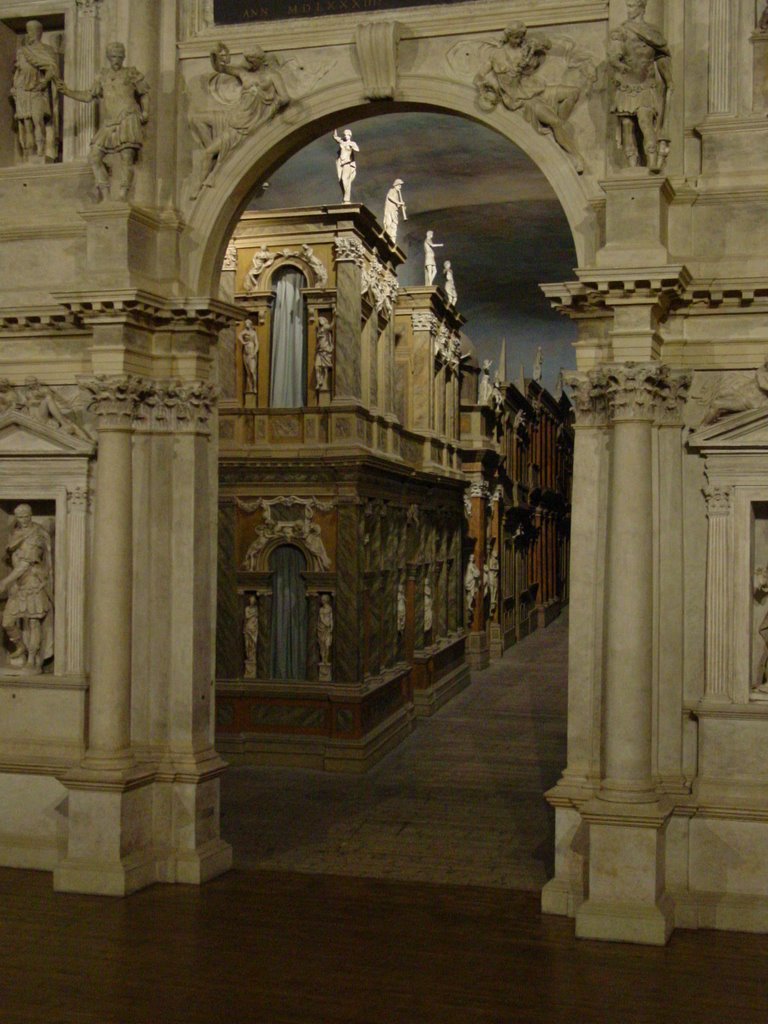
325,631
472,581
450,284
249,339
346,168
323,354
492,582
511,77
28,614
393,206
123,95
762,25
430,263
400,608
427,605
760,685
251,635
35,97
262,95
485,386
642,77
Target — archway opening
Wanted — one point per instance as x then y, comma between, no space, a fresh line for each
502,227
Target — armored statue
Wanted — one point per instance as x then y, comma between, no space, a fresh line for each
123,97
28,614
642,77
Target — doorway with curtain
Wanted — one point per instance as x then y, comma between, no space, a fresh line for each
288,374
288,638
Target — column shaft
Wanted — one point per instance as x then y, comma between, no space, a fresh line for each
111,599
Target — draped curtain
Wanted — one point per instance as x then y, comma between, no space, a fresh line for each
289,614
289,350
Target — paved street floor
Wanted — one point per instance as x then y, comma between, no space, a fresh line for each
459,802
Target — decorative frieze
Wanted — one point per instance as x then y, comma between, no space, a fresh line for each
286,520
264,259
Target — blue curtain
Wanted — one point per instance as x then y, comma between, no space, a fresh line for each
289,349
289,614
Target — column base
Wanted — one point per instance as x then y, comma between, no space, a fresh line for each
627,900
626,922
110,847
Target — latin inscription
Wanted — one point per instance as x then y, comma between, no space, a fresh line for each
233,12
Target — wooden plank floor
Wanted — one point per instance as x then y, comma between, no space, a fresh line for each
459,801
299,935
272,948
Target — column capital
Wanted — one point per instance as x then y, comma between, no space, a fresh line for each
634,390
589,395
175,406
88,8
719,500
113,399
673,394
349,250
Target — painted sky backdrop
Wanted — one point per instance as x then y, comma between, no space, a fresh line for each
501,224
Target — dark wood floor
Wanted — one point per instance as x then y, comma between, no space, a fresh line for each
280,948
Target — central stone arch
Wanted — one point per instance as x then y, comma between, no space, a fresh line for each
217,209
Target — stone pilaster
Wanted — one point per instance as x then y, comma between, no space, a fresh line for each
721,85
717,658
349,257
77,511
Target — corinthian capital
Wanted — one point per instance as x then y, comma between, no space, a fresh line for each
718,500
113,399
170,406
673,394
635,389
589,396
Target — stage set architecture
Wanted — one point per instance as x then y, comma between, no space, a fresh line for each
123,174
364,457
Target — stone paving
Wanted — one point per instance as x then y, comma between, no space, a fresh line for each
460,801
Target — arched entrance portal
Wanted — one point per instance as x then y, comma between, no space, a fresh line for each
394,590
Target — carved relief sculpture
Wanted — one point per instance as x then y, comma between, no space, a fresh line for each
296,524
323,354
325,633
511,76
450,286
642,77
430,264
249,339
472,582
28,613
38,401
258,95
251,635
34,93
346,168
230,256
734,391
123,96
400,608
393,206
262,259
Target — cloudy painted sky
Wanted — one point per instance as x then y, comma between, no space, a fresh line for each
501,224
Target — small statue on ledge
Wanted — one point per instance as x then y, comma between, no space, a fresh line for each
346,168
124,108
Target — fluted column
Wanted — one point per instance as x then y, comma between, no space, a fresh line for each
632,394
718,606
720,56
86,66
109,733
